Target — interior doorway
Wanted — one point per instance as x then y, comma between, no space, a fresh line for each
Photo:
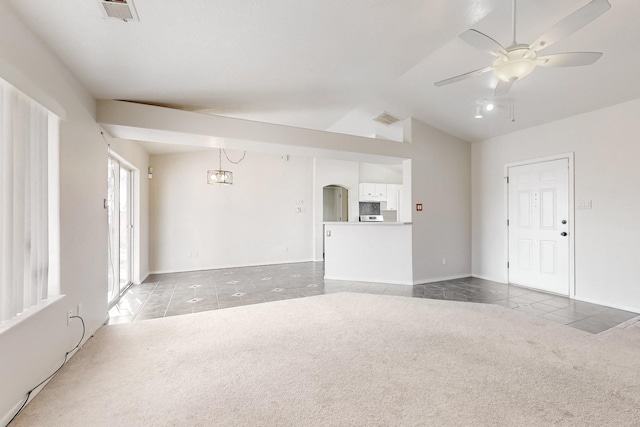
335,206
539,223
335,203
120,222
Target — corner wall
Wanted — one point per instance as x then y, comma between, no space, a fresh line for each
606,172
441,181
35,347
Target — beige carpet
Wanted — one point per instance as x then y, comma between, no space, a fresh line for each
347,359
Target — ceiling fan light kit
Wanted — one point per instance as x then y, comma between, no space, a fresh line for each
519,60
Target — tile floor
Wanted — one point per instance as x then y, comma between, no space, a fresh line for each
182,293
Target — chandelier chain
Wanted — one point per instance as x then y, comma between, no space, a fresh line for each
244,153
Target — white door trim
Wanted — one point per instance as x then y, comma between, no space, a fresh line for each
569,157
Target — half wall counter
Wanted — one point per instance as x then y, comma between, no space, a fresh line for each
368,252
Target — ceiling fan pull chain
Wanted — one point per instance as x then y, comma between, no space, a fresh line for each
513,108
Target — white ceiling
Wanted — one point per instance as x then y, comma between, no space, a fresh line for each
333,65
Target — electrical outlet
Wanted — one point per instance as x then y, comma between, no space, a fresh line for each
69,314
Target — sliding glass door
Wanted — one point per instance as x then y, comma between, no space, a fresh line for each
120,217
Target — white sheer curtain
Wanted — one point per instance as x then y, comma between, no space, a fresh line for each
24,231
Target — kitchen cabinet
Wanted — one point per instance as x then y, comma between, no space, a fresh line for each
370,192
392,196
367,192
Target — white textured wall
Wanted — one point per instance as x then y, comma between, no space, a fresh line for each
378,173
254,221
441,181
31,350
606,172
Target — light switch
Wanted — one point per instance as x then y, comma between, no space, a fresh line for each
328,233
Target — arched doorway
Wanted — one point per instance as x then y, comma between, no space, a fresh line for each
335,203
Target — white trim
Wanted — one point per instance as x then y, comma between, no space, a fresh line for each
135,196
142,280
572,253
368,280
220,267
478,276
608,304
441,279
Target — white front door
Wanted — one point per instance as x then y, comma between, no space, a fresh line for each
538,225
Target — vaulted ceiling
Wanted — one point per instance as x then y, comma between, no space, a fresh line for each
333,65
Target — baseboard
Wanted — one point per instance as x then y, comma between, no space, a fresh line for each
7,417
491,279
440,279
368,280
608,304
219,267
142,281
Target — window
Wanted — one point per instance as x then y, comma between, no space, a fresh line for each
25,129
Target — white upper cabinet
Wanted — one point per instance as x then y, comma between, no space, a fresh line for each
392,197
370,192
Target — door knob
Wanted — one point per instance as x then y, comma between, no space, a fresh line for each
564,233
564,221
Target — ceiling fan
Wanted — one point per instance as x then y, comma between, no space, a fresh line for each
519,60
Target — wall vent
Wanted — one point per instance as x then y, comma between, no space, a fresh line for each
386,119
119,9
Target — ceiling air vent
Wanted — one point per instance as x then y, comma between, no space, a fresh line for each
119,9
386,119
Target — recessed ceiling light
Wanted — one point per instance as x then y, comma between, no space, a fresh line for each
489,107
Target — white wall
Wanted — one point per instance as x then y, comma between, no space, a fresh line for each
32,349
441,181
138,159
606,171
254,221
382,174
332,172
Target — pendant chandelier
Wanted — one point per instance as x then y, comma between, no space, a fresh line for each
220,176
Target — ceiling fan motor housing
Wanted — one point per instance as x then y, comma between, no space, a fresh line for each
518,62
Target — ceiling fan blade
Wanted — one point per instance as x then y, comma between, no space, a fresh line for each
571,23
568,59
463,76
502,88
483,42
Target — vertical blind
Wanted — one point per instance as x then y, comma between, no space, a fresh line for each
24,231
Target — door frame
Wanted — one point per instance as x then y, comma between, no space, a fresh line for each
570,157
134,189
